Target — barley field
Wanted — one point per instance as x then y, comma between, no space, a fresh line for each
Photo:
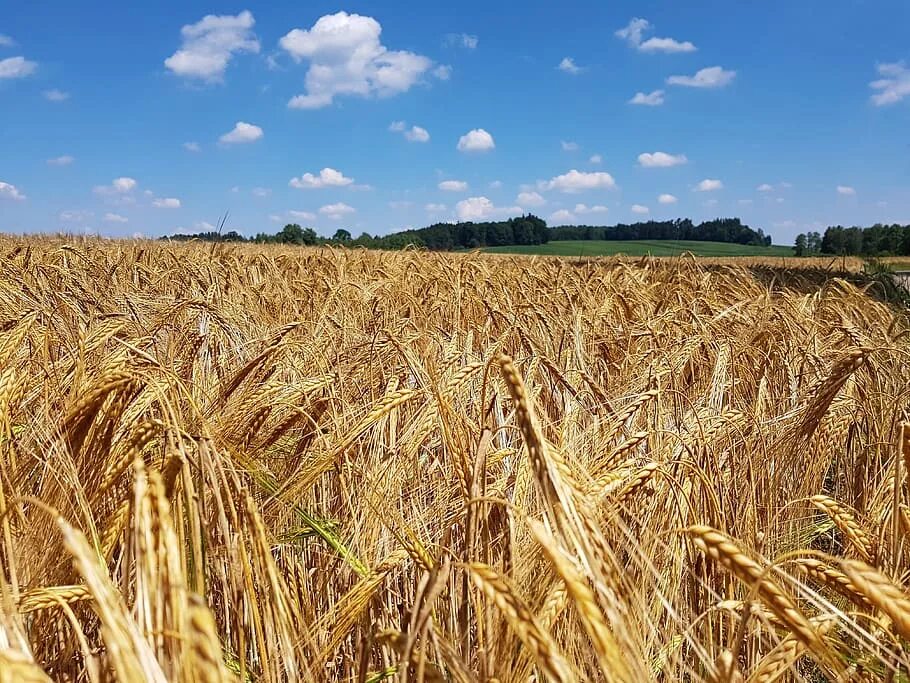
283,464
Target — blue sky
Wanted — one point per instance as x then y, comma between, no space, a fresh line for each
125,118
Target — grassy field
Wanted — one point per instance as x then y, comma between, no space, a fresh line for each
642,248
244,463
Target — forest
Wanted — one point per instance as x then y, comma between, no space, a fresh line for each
876,240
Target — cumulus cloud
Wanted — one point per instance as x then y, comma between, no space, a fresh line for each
328,177
412,134
562,217
9,191
846,190
595,159
633,33
166,203
337,211
709,185
261,192
464,40
453,185
115,218
765,187
16,67
209,45
302,215
661,160
346,57
481,208
640,210
569,66
654,98
667,199
192,147
64,160
55,95
6,41
579,181
894,84
242,133
435,208
121,186
568,146
477,140
710,77
583,209
496,184
443,72
530,199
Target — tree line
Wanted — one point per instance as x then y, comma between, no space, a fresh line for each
876,240
527,229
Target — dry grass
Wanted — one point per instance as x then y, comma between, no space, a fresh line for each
266,464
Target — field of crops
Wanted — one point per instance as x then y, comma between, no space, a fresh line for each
268,464
641,248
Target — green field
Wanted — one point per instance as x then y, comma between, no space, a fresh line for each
641,248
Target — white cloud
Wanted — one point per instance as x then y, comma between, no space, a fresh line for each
744,202
568,146
481,208
16,67
301,215
562,217
453,185
275,218
579,181
569,66
75,216
261,192
400,204
8,191
166,203
435,208
640,210
443,72
633,33
477,140
496,184
417,134
64,160
711,202
652,99
337,211
397,126
204,226
462,40
6,41
785,224
55,95
115,218
192,147
894,84
780,200
595,159
764,187
328,177
666,45
242,133
661,160
210,44
709,185
346,57
711,77
584,209
121,186
530,199
846,190
667,199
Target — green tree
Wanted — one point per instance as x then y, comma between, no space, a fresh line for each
341,235
290,234
309,236
801,245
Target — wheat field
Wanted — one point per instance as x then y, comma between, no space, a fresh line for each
279,464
